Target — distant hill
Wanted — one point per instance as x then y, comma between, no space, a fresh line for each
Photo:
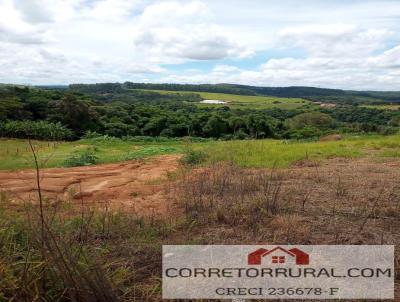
312,93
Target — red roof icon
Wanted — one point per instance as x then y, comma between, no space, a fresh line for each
301,257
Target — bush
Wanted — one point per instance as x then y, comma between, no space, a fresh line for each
104,139
87,158
91,134
241,135
306,132
36,130
227,137
311,119
193,157
384,130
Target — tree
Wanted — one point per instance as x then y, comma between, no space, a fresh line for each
260,126
75,114
215,126
155,125
312,119
236,123
119,129
12,108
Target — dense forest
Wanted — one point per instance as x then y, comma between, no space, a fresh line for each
123,110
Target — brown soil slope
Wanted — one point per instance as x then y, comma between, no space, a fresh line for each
132,184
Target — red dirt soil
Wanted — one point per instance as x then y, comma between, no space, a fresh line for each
137,185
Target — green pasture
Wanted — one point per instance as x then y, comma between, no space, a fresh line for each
266,153
383,107
280,153
243,101
16,153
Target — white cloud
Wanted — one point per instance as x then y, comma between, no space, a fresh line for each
63,41
58,67
14,29
110,10
388,59
173,12
200,42
224,69
184,31
334,39
366,73
33,11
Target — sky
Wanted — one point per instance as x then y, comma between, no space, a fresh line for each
335,44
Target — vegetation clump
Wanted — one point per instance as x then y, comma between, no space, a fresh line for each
35,129
193,157
85,158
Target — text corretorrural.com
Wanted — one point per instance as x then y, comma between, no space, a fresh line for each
306,272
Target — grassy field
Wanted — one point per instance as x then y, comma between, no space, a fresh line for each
242,101
15,154
382,107
279,153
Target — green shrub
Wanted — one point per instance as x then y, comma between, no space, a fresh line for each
86,158
311,119
241,134
35,129
305,133
384,130
91,134
193,157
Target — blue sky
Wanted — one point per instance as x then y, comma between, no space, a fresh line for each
338,44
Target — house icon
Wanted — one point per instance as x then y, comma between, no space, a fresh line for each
278,255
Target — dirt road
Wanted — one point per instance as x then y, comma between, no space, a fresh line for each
135,184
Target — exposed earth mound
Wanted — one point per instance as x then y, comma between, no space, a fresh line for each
134,184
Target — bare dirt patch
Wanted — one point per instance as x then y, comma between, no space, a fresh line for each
136,185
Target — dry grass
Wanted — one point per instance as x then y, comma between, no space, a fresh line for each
338,202
230,195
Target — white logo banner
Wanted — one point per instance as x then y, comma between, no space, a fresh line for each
278,272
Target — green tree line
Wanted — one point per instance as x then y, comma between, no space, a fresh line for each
108,109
